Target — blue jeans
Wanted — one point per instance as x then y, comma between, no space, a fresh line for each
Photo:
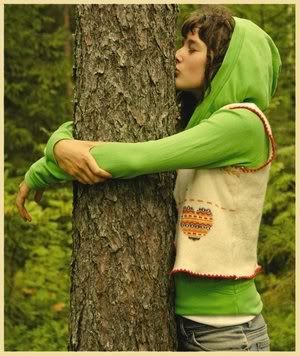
250,336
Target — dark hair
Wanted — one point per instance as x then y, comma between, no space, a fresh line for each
215,25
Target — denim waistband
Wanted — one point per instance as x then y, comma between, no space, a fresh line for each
188,323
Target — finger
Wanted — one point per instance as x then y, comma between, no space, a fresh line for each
97,179
24,213
101,180
20,202
22,210
21,213
38,195
95,169
27,215
82,178
88,176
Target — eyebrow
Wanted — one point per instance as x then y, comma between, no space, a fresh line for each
193,42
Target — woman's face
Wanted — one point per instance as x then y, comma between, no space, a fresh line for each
190,64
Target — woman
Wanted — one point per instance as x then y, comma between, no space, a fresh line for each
226,72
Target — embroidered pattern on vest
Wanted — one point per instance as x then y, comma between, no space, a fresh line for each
204,201
196,224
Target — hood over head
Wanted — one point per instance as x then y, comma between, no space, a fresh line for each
249,72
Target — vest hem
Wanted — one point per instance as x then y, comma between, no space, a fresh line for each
209,275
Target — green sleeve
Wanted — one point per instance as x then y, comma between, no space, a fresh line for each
228,137
64,132
45,172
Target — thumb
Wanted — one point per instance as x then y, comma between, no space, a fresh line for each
38,196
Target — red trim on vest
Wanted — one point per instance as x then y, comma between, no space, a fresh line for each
207,275
261,115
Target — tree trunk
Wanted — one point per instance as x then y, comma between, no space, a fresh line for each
68,48
123,230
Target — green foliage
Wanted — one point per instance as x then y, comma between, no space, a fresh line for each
277,235
37,254
279,309
37,282
277,252
37,73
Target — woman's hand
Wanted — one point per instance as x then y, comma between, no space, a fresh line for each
74,157
21,198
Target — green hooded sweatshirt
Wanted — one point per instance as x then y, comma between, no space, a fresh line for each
214,137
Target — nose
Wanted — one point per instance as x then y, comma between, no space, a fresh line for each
178,55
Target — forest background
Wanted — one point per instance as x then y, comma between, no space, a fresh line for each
38,98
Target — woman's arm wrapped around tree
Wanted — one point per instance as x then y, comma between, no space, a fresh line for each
221,140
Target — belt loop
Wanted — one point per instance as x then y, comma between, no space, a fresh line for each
182,329
250,322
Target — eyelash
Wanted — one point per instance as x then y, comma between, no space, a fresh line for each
190,50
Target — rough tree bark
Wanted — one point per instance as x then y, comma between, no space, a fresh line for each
68,47
123,231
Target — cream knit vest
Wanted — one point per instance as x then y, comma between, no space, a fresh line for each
219,214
